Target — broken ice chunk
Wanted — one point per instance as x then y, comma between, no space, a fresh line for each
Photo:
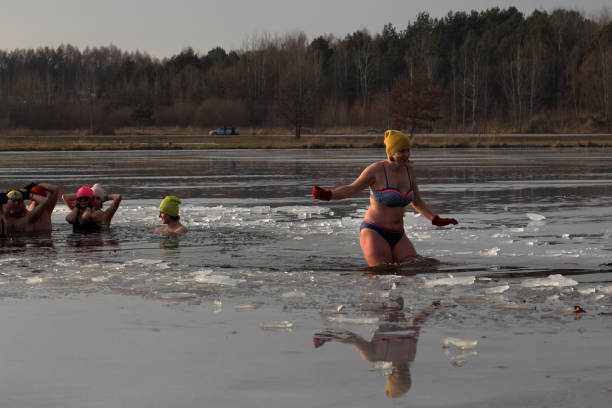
497,289
535,217
450,281
463,344
276,325
556,280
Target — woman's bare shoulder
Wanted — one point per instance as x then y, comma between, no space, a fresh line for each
376,166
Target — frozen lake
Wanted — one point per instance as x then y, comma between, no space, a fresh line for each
227,314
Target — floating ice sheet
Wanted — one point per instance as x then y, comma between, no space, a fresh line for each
293,294
384,367
606,289
490,252
206,276
353,320
535,217
556,280
246,307
177,296
496,289
145,261
459,358
450,281
276,325
463,344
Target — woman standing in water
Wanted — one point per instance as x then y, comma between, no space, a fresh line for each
393,186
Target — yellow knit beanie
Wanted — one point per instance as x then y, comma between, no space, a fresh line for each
397,386
395,141
170,206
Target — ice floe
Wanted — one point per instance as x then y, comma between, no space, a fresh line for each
353,320
144,261
496,289
207,276
450,281
606,289
276,325
535,217
246,307
556,280
293,294
463,344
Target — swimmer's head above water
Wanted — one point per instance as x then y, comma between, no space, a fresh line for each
99,194
14,205
85,197
169,214
169,207
396,141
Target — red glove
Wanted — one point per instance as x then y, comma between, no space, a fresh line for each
318,340
440,222
321,193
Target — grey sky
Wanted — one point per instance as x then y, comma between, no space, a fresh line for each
164,28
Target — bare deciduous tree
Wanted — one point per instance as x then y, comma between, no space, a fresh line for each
415,104
298,85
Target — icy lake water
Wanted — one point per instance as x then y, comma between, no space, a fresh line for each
229,314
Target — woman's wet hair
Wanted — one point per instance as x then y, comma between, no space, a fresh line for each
178,217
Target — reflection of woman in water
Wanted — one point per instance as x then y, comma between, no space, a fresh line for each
393,343
393,186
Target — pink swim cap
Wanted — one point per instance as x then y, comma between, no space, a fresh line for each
85,192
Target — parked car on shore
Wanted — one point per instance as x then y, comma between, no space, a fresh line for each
225,130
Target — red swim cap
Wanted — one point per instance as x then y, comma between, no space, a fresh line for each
38,190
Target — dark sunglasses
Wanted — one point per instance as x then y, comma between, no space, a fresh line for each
83,199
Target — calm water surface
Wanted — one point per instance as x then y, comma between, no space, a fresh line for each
533,241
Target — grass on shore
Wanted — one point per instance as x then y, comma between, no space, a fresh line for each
176,139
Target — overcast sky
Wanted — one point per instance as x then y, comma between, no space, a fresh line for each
163,28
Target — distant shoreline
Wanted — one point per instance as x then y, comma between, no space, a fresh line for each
190,139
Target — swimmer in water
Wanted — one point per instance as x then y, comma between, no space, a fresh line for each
15,216
393,186
95,215
169,214
44,190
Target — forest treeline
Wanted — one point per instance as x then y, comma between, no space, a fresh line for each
494,70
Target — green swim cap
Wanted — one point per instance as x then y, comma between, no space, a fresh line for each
170,206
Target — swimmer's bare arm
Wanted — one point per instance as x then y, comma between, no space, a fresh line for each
365,348
418,203
42,203
93,216
73,215
69,200
112,209
53,197
365,179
